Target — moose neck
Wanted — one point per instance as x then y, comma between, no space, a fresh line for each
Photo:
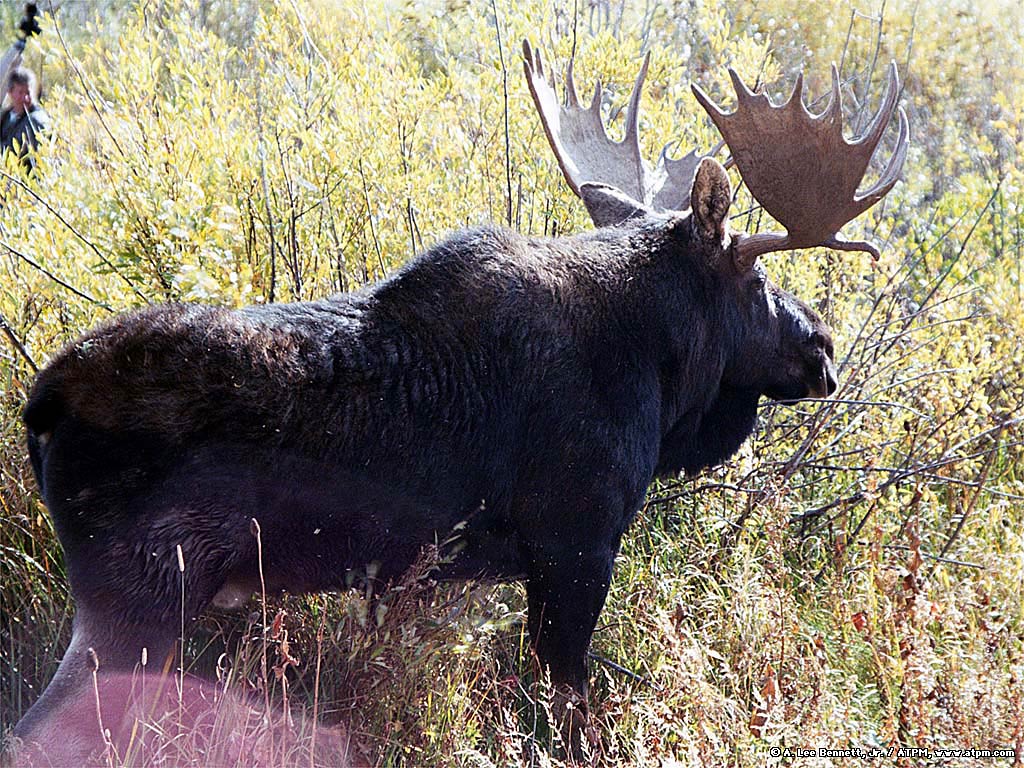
695,331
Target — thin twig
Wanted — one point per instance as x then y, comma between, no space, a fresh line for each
254,529
86,89
963,246
623,671
307,38
928,555
71,228
504,91
63,283
369,218
965,513
872,66
9,333
846,401
658,500
901,476
262,153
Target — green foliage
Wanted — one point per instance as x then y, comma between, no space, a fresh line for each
851,578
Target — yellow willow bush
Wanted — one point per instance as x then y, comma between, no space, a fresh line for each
852,578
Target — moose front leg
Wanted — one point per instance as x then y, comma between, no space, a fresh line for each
565,594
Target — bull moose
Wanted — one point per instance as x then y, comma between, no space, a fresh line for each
514,394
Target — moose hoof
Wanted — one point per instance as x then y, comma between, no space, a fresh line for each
581,738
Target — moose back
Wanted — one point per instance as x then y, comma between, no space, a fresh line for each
511,396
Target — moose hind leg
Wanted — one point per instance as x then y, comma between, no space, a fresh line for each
87,694
131,597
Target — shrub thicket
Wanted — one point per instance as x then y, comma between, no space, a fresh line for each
851,579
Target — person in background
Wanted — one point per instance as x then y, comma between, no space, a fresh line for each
22,120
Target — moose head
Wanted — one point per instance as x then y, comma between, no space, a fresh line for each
797,165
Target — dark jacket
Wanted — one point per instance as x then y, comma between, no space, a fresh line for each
20,133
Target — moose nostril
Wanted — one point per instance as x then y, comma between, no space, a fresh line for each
831,385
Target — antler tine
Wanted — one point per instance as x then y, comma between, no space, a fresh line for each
743,94
869,142
547,106
533,58
571,94
714,111
834,110
874,132
892,171
633,107
800,168
595,103
836,243
586,154
796,98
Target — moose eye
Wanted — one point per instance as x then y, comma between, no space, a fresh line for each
821,341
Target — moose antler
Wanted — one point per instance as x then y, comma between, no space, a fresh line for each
586,154
799,167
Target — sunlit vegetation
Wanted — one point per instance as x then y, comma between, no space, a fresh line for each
852,578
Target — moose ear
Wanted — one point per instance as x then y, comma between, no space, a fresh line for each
609,205
710,199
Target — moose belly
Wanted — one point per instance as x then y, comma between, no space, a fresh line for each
288,522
